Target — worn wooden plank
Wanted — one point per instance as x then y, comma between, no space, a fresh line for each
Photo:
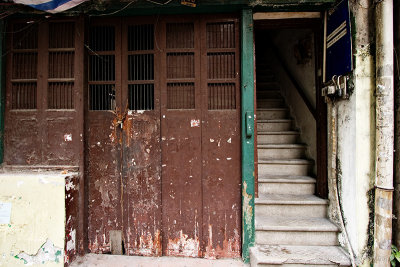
221,177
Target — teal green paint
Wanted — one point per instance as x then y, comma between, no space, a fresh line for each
58,254
247,118
2,89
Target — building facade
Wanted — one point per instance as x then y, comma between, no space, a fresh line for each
205,129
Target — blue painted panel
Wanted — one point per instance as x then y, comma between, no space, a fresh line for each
339,60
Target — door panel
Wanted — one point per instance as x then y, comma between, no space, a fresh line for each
181,139
221,177
141,141
104,135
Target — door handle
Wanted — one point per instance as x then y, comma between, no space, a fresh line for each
249,124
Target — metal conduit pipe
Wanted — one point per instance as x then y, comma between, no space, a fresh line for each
384,133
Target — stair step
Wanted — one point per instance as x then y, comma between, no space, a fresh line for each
297,167
293,256
276,125
270,103
267,94
293,185
282,137
302,231
267,85
290,205
272,113
281,151
265,77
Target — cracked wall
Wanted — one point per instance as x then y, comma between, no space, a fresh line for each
356,137
35,233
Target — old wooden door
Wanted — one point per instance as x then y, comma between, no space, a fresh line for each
163,136
200,137
123,132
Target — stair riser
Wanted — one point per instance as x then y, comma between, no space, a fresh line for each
265,78
296,238
260,70
274,126
267,85
283,169
281,153
271,114
277,138
301,210
286,188
270,104
268,94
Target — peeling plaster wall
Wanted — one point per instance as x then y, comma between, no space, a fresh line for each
356,139
36,230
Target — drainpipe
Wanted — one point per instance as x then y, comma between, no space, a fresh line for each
396,197
384,133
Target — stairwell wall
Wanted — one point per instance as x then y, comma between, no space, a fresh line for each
296,48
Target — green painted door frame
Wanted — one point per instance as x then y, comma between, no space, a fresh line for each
247,118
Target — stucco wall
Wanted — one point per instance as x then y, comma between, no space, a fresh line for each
36,231
356,140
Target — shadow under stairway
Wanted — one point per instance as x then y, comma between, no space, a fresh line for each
292,228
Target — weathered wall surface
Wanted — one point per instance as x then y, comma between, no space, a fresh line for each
356,139
297,50
35,233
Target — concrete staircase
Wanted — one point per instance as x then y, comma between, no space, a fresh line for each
292,228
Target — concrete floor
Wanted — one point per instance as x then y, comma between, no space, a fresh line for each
90,260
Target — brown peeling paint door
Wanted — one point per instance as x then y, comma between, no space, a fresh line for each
163,136
123,129
221,177
103,135
141,140
181,139
201,138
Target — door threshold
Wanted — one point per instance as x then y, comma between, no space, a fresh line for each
106,260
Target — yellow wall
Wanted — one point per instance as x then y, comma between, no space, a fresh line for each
37,219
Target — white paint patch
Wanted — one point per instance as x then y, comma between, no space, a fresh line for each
163,165
217,158
68,137
163,116
194,123
71,245
98,143
140,111
228,158
69,186
212,140
46,253
45,181
129,112
147,150
5,212
229,140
